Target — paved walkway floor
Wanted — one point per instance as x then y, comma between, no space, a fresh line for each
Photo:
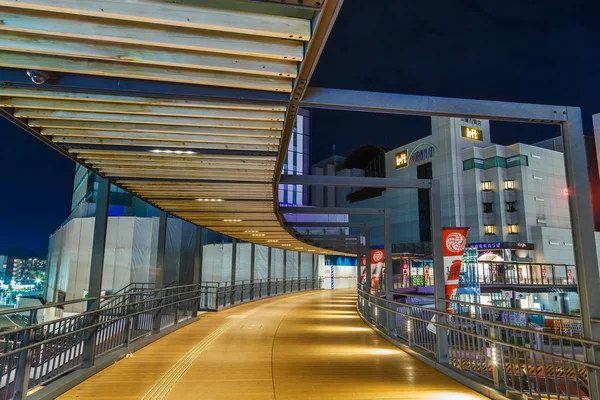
300,346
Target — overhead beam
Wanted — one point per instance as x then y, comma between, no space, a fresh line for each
142,71
137,54
327,224
333,210
140,109
389,103
16,78
176,14
108,86
349,181
175,137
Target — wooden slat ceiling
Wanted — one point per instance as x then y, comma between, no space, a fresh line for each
209,162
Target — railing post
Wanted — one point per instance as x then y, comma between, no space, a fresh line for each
242,292
498,371
252,254
276,284
160,271
439,272
96,271
23,370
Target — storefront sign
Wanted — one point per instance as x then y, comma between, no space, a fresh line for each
423,152
503,245
455,240
402,159
471,133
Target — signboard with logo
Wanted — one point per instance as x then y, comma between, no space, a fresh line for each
455,240
471,133
423,152
402,159
503,245
377,267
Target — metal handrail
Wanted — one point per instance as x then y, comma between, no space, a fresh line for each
486,348
50,349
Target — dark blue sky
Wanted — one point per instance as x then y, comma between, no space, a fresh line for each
512,50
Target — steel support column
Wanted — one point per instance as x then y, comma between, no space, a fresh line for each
159,281
252,257
389,276
299,269
584,244
96,270
233,269
284,270
368,272
269,270
198,254
439,272
314,269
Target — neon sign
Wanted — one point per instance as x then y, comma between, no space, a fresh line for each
471,133
402,159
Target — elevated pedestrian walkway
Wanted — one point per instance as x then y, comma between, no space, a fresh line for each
299,346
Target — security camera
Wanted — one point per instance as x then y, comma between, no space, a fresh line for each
40,77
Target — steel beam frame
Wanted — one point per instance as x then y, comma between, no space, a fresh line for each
346,181
390,103
325,210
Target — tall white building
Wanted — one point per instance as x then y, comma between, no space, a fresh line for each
513,198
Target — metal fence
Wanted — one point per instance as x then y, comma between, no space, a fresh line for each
518,360
38,352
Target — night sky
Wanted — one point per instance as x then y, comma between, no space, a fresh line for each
511,50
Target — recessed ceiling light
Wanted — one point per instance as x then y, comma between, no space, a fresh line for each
232,220
158,151
272,241
211,200
258,234
250,231
311,251
298,248
286,245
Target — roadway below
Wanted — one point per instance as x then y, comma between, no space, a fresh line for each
300,346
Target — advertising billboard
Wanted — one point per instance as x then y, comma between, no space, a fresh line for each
377,267
454,240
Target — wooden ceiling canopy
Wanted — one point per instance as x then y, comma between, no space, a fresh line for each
209,161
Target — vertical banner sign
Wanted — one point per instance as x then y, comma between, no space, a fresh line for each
332,277
569,276
377,267
494,273
544,275
454,240
363,270
427,275
405,274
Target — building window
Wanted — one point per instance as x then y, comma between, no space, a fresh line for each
509,185
486,185
489,229
488,208
511,206
513,228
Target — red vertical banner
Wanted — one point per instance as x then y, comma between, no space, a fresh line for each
377,267
455,240
405,274
363,270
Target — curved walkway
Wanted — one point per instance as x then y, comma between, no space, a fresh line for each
300,346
